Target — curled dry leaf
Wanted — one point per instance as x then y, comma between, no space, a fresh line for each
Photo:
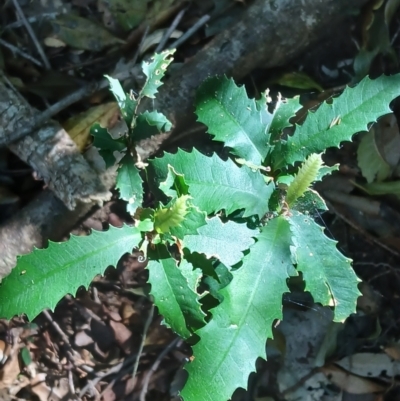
350,383
44,392
368,364
379,150
78,127
10,370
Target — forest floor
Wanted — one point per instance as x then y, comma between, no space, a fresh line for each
87,349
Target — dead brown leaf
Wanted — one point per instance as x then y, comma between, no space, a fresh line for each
350,383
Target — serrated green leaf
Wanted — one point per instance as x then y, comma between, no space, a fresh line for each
328,274
215,285
172,215
192,275
175,299
126,102
174,185
108,147
335,122
224,241
117,90
200,261
285,110
304,178
309,203
326,170
155,71
262,103
233,118
216,184
42,277
150,123
130,184
103,140
252,166
236,335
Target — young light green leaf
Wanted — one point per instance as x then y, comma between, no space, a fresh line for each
235,337
233,118
175,299
328,275
216,184
172,215
42,277
335,122
126,102
155,71
304,178
175,186
284,111
150,123
130,184
224,241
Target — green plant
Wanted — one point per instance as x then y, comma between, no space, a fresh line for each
224,235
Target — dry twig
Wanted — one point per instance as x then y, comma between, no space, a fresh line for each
190,32
169,31
32,34
155,365
145,330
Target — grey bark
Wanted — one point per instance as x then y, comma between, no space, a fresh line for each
50,151
45,217
53,154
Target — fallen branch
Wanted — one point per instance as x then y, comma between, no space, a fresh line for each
50,151
270,34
